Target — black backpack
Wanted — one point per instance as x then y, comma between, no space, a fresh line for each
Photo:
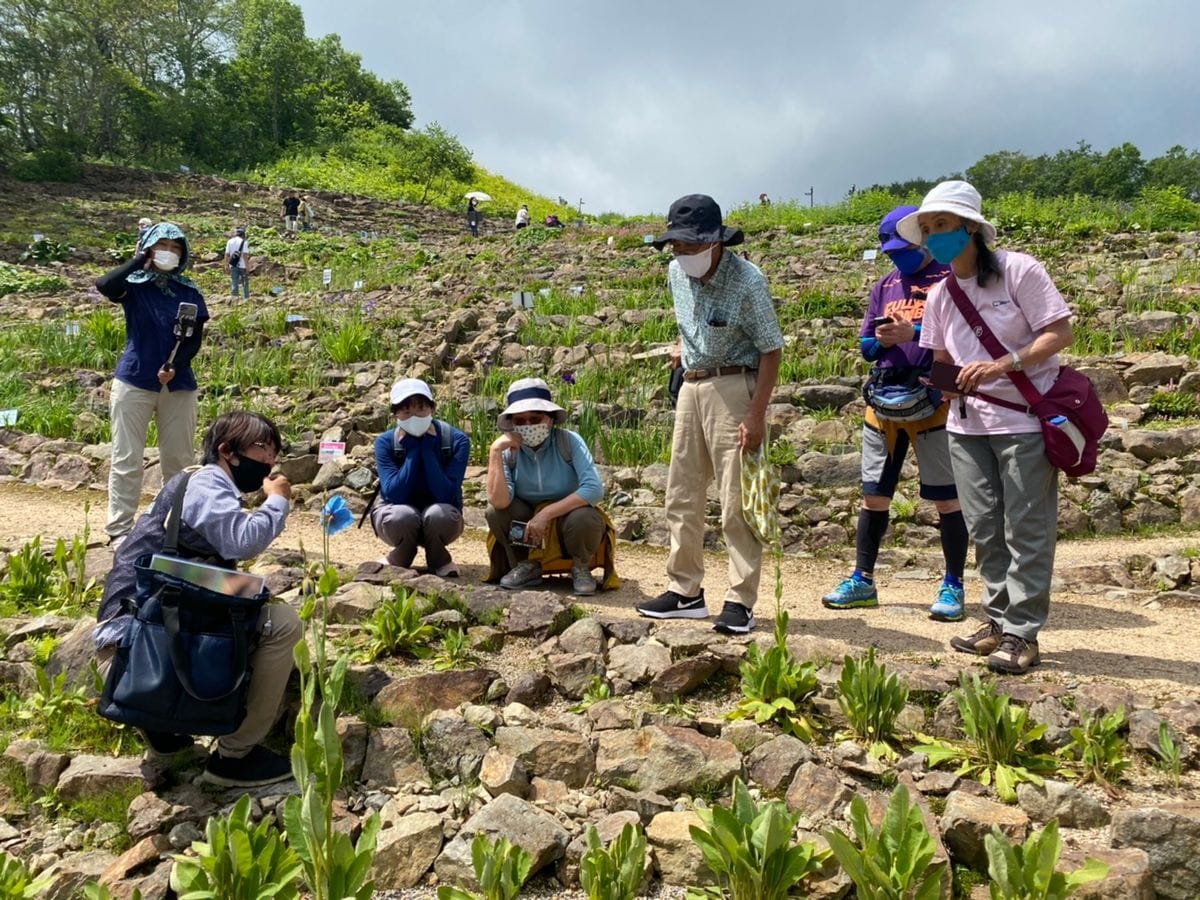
445,433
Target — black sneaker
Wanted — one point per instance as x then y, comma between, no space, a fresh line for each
164,743
258,767
734,619
673,605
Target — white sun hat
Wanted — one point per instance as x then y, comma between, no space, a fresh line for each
529,395
409,387
957,197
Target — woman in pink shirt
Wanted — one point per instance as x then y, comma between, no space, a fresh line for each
1008,489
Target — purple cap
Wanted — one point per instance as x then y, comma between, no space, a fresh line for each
889,237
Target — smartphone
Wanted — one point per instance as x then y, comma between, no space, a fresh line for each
881,320
185,322
516,534
187,311
944,377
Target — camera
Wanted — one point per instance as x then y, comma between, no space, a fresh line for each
185,320
516,534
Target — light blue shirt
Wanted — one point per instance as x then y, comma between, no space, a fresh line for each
543,476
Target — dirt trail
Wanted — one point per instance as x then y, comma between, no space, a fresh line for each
1089,636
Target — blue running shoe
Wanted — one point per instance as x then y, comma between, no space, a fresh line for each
853,593
948,607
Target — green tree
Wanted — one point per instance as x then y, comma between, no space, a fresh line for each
1003,172
434,155
1177,167
1120,173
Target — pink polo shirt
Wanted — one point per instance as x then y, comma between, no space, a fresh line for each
1017,308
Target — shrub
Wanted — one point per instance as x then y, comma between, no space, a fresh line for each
47,165
893,862
871,698
776,688
1027,871
16,280
455,651
501,869
616,872
1098,748
749,848
1172,404
396,628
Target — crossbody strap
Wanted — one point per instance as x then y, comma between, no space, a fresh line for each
993,346
181,660
174,516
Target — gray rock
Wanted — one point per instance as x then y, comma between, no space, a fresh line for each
1170,835
530,689
549,753
666,760
503,774
357,601
585,637
609,714
522,823
830,469
1129,876
677,857
824,396
1156,369
391,759
638,663
646,804
683,677
404,851
92,776
685,639
1059,800
1183,715
626,631
772,765
1148,445
968,819
409,700
817,792
537,614
452,746
74,655
572,674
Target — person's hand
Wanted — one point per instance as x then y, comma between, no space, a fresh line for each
277,485
751,432
149,260
974,374
898,331
675,355
506,440
536,528
165,374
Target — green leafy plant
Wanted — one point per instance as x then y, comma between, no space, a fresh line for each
17,882
1172,404
615,872
46,250
396,628
1098,748
501,868
1027,871
1166,751
749,848
455,651
894,861
16,280
597,690
29,578
776,688
94,890
1000,742
333,867
238,861
871,699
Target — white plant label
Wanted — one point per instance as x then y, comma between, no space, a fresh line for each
358,285
869,255
331,451
38,236
647,239
71,329
522,300
327,277
9,416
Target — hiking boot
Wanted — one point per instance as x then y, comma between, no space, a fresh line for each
734,619
853,593
1014,656
981,643
447,570
582,582
673,605
258,767
525,574
948,607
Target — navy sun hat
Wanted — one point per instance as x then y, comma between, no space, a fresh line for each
696,219
889,236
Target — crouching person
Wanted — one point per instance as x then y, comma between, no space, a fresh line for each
240,449
421,464
542,491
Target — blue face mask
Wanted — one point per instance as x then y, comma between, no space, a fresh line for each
910,260
946,246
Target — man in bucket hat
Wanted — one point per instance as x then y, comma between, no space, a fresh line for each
541,478
730,347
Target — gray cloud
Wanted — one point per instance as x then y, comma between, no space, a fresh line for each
629,105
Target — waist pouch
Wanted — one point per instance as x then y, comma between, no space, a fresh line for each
897,394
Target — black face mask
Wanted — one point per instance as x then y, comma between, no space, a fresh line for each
248,475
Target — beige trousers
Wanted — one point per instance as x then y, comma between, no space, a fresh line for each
703,447
272,666
130,410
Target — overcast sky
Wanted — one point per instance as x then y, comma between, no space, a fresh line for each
630,104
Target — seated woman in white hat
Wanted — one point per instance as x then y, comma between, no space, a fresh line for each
542,489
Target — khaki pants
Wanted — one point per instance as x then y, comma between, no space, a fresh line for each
131,409
272,664
703,447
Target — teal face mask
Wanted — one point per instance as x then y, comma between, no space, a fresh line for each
945,247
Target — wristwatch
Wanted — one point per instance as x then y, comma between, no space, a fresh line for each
1018,364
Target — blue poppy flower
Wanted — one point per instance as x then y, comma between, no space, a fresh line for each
336,516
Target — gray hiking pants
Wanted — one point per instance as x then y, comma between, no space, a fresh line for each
405,528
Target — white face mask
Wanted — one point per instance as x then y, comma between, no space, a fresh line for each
698,264
533,435
166,260
415,425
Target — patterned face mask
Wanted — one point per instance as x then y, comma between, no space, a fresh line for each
533,435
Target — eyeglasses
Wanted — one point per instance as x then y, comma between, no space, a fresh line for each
527,420
265,447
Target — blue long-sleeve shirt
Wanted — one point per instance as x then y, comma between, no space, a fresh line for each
422,479
542,475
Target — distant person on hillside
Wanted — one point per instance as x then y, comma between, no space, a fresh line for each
730,346
291,214
903,412
542,491
1008,488
764,200
421,463
523,217
237,259
152,291
553,222
473,216
143,224
306,213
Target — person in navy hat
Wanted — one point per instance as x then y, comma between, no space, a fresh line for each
890,337
730,347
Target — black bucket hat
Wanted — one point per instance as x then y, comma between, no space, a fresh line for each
696,219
